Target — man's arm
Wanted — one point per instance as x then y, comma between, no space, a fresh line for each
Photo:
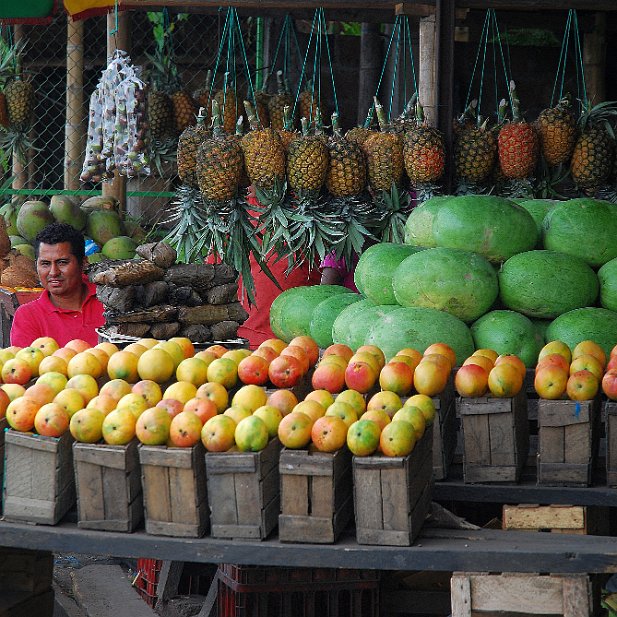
24,328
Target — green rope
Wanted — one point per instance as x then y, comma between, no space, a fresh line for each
413,66
220,50
303,70
561,65
581,64
336,108
397,51
245,64
483,38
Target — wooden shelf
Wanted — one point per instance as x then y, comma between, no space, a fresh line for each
435,549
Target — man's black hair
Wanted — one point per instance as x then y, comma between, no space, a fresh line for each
55,233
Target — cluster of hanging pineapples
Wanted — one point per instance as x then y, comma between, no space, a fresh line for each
510,151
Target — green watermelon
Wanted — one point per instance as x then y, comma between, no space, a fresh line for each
607,275
508,332
585,324
541,326
419,224
324,315
353,323
538,208
373,273
583,227
546,284
492,226
452,280
291,311
418,328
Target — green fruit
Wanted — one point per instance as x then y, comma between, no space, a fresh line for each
65,210
135,231
418,328
461,283
373,273
324,315
15,240
103,225
33,216
607,275
508,332
546,284
353,323
492,226
291,311
121,247
95,258
419,225
98,202
25,249
585,228
538,208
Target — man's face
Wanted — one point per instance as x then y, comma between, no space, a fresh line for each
59,270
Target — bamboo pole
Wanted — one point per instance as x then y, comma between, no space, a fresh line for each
426,78
117,39
20,172
74,132
594,59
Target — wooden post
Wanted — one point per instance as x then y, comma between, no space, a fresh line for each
594,59
117,40
20,172
370,64
74,128
426,86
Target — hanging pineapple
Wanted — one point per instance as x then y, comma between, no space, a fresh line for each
308,103
7,59
278,102
287,134
517,147
188,145
406,121
307,162
359,134
384,154
202,95
592,158
557,130
228,104
424,154
160,112
262,99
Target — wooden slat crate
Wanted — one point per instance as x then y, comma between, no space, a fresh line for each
246,492
610,408
392,495
569,595
583,520
174,490
3,425
108,483
445,430
316,495
568,436
495,434
39,483
23,604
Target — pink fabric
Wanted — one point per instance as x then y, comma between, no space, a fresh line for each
42,318
330,261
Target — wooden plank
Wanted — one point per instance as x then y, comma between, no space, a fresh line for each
501,439
306,529
564,412
295,495
564,474
576,596
534,517
460,587
552,444
611,442
367,497
476,439
577,439
162,456
322,496
491,473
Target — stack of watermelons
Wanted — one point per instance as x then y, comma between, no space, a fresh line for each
476,271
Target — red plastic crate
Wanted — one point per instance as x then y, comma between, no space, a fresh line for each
147,579
248,591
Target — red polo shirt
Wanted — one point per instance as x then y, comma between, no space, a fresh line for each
42,318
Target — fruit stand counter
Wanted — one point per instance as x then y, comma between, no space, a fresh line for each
436,549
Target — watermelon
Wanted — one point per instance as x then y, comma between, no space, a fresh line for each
492,226
585,324
291,311
508,332
541,326
353,323
373,273
538,208
546,284
452,280
324,315
607,275
419,224
418,328
583,227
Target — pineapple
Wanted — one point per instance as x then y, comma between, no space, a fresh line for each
185,110
557,130
423,151
278,102
287,134
307,162
19,96
264,155
475,150
592,158
308,103
202,96
346,174
188,145
407,120
219,163
384,154
160,115
517,144
228,104
262,99
4,114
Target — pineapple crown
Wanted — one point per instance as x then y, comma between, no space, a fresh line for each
384,125
603,115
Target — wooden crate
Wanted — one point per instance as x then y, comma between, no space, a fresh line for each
174,490
445,429
568,436
246,486
581,520
610,423
39,483
316,495
495,434
108,483
569,595
392,495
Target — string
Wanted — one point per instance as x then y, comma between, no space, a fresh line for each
306,55
581,64
336,108
395,72
483,36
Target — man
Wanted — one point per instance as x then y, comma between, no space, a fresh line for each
68,308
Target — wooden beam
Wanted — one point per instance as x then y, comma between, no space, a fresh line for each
423,10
